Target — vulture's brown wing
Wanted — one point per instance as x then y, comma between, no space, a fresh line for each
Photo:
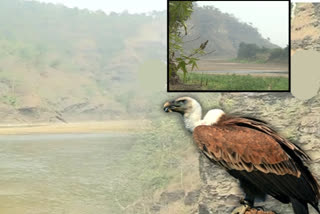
241,148
293,150
259,157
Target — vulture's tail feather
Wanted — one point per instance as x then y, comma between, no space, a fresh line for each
316,208
299,207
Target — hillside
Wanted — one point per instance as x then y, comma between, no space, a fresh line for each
58,63
224,32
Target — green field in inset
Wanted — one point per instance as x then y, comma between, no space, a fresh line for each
235,82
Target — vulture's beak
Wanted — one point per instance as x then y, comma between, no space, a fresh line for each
178,106
167,107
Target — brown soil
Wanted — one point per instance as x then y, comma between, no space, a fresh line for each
183,87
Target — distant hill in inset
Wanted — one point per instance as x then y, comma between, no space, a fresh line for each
224,32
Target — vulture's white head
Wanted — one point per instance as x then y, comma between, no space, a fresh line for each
191,111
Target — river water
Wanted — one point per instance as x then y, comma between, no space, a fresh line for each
61,173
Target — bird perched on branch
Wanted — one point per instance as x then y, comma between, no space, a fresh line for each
203,45
264,162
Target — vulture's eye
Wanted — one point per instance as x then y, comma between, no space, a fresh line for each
182,101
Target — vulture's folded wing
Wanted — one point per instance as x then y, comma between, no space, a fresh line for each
242,148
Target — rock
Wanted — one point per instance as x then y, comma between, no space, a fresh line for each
170,197
203,209
155,208
29,111
305,34
192,197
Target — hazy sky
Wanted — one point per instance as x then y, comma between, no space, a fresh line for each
136,6
271,18
305,0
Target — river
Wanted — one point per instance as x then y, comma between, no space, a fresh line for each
61,173
220,66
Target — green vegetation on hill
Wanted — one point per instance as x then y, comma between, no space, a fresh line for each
82,64
252,52
46,28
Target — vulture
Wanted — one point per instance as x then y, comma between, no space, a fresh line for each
264,162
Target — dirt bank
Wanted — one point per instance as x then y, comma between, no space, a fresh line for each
81,127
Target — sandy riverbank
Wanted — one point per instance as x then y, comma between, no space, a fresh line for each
80,127
223,65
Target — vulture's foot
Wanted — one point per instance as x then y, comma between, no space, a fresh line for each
242,209
246,202
258,208
255,211
251,210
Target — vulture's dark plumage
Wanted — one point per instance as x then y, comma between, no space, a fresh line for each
264,162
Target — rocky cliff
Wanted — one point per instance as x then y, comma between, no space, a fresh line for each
305,27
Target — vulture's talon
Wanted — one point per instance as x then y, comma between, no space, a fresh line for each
241,201
241,210
259,208
245,202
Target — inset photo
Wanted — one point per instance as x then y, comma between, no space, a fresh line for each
228,46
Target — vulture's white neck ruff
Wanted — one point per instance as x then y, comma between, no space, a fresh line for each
192,118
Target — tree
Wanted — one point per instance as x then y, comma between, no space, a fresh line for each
279,54
247,51
179,13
